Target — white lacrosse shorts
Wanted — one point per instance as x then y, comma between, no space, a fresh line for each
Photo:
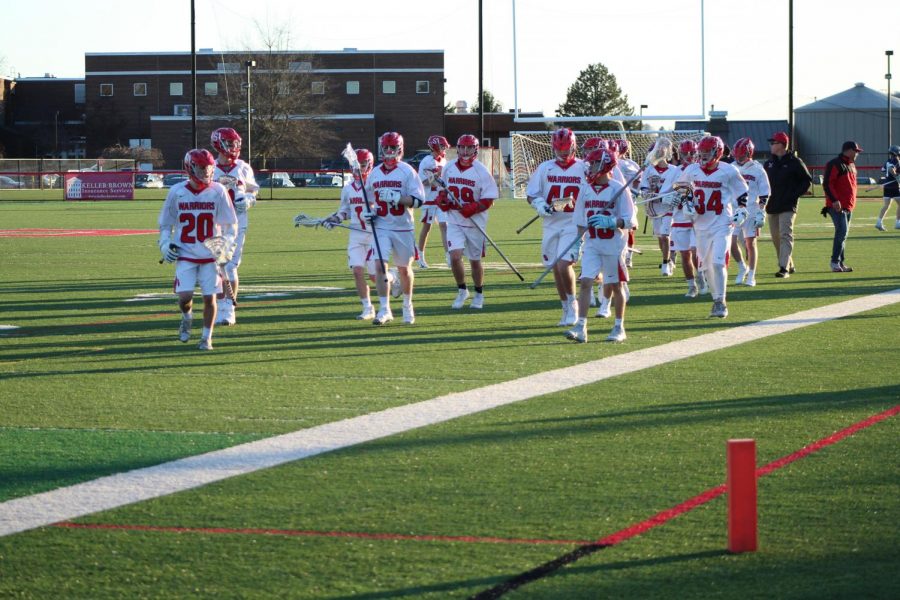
713,246
558,236
662,226
188,274
430,213
401,245
682,237
469,239
612,266
362,254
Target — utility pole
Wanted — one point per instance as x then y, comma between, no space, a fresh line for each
249,64
193,75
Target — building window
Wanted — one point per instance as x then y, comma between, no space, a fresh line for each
388,87
423,87
228,67
176,88
211,88
300,67
318,87
352,88
79,93
140,89
182,110
283,87
106,89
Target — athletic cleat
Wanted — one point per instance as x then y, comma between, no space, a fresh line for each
617,334
396,288
422,264
562,320
836,268
205,344
184,330
692,292
792,270
846,269
571,314
461,296
578,333
879,226
719,310
477,301
782,274
741,274
409,315
664,269
367,314
750,281
604,310
384,316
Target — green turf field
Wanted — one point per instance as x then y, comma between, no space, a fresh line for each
93,382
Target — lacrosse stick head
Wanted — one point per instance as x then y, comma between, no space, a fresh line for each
598,164
467,149
709,151
687,152
227,143
564,145
304,220
438,145
200,167
660,152
391,145
743,150
219,247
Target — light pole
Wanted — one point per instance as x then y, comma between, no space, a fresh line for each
643,106
249,64
889,53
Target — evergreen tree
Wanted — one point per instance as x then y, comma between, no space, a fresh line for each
596,92
490,103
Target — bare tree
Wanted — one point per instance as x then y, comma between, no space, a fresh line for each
287,100
137,154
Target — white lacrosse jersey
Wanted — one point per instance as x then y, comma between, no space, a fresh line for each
552,181
353,204
678,216
405,180
611,199
715,194
757,183
429,167
467,185
195,217
629,169
652,181
240,182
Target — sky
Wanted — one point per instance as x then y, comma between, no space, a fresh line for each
653,47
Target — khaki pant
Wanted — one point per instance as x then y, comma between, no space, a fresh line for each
781,226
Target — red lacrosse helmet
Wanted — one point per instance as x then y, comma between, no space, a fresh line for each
227,142
467,149
391,144
200,166
564,145
438,145
623,146
743,150
366,161
709,151
599,162
687,151
594,143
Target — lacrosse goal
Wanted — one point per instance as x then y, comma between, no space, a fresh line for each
531,148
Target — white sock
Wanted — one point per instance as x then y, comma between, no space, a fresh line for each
581,322
407,300
366,303
692,283
570,299
751,273
383,302
619,322
207,332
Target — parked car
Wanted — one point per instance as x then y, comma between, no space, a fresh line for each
275,180
10,183
302,179
327,181
173,178
148,180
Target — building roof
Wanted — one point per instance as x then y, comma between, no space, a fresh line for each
859,97
758,131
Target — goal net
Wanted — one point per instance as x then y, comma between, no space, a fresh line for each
531,148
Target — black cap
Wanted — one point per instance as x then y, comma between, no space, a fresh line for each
851,146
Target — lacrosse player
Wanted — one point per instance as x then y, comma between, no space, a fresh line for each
429,169
394,190
605,211
557,178
629,169
194,211
651,184
891,182
237,177
718,204
359,247
758,182
471,190
682,238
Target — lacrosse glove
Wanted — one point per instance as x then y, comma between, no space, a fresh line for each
542,208
392,197
169,253
759,219
740,215
469,209
443,201
602,222
330,221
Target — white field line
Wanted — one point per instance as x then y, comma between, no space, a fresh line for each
22,514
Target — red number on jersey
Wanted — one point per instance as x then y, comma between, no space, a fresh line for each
570,191
463,194
600,234
359,211
195,228
712,204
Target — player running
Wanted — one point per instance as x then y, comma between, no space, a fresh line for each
193,211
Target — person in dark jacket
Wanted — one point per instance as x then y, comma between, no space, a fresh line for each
789,179
839,183
891,184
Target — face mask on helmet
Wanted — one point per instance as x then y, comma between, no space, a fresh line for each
687,152
599,163
564,145
200,166
743,150
709,151
467,150
438,145
391,148
227,142
366,162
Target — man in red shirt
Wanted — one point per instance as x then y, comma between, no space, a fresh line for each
839,182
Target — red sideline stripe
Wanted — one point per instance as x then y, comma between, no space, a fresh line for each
332,534
73,232
618,537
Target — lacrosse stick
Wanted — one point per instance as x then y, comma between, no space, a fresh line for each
579,238
558,204
662,197
457,203
888,182
218,247
308,221
350,154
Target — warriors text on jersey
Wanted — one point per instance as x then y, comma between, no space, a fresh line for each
402,178
195,217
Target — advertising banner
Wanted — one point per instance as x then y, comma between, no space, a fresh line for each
100,185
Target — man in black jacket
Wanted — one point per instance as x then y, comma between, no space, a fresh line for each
789,179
